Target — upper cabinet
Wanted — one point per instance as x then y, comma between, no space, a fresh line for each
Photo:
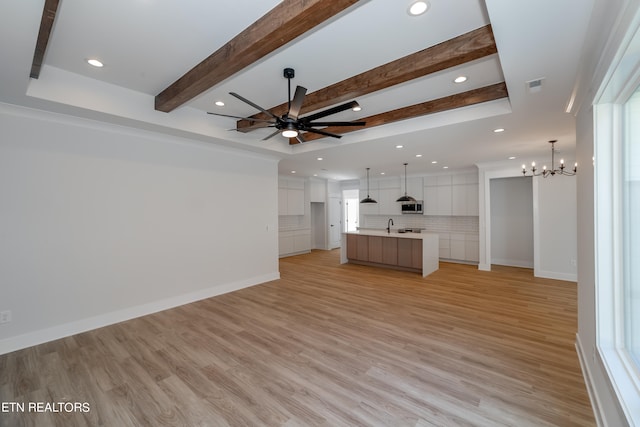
291,196
443,195
317,190
437,195
388,193
455,195
464,195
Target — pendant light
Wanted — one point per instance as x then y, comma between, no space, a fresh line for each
368,199
405,198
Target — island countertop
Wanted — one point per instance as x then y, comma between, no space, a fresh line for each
383,233
377,247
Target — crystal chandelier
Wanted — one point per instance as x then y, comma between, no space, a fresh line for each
553,171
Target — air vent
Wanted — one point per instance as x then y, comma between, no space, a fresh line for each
534,86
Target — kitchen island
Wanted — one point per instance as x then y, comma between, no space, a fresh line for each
404,251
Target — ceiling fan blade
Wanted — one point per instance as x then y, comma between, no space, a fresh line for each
328,112
272,135
300,138
296,103
256,106
241,118
336,124
321,132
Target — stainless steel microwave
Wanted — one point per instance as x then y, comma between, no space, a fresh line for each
412,207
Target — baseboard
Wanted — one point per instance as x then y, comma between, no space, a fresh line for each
569,277
19,342
588,379
512,262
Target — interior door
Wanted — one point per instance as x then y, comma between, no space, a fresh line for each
335,223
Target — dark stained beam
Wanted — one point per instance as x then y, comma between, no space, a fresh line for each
463,99
46,25
279,26
459,50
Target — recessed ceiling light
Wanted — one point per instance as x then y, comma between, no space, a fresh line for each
418,8
418,155
315,174
320,158
399,146
293,171
220,103
381,173
498,130
434,162
357,108
460,79
95,63
512,158
445,167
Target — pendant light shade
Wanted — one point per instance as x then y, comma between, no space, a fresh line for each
368,199
405,198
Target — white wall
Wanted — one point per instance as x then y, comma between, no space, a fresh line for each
554,217
610,22
100,223
555,227
512,221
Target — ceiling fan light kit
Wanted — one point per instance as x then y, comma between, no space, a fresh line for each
553,171
292,126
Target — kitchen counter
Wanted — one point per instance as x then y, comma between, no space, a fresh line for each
376,232
404,251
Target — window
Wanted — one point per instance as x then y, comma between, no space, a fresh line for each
630,202
617,228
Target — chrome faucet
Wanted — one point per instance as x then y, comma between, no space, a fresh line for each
389,224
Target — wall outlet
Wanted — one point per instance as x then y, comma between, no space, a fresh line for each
5,316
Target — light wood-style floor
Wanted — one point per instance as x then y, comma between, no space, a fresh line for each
328,344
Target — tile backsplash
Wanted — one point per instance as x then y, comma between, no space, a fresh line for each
448,224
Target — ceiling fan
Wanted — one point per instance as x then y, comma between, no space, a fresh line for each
292,126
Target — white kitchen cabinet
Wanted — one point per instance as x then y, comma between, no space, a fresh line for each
464,195
387,204
464,247
282,201
444,245
415,188
295,201
437,195
293,242
437,200
317,190
291,195
458,246
472,248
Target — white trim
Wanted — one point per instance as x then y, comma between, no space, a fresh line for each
512,262
622,79
484,208
592,390
60,331
569,277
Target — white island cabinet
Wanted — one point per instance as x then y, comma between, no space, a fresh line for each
405,251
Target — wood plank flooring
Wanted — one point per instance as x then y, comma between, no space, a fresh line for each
328,345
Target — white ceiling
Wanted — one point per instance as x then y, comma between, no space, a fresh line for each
148,44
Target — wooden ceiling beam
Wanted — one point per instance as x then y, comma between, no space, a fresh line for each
46,26
283,23
473,45
463,99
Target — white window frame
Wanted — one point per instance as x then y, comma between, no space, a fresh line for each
620,83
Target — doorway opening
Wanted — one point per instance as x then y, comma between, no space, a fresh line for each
351,209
